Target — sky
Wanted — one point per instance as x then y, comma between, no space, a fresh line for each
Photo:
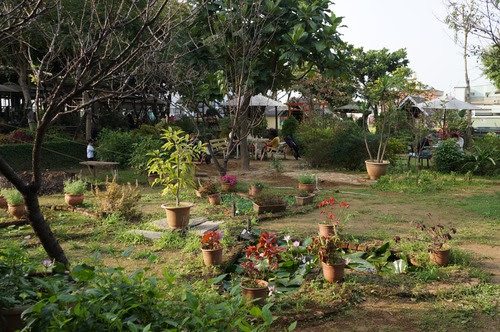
412,24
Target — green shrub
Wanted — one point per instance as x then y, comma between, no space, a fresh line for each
394,147
486,155
427,182
115,146
290,126
13,196
448,157
139,157
147,130
186,124
306,178
76,187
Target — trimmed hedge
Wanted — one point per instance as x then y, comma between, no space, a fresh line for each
55,155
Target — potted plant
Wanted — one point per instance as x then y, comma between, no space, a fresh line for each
198,185
268,203
437,236
174,164
334,215
386,91
212,248
304,197
211,189
15,203
73,191
328,251
261,260
306,182
255,188
3,202
228,182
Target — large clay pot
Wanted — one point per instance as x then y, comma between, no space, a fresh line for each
254,190
152,177
18,211
73,200
12,318
3,202
178,216
333,273
212,256
309,187
304,200
376,170
228,187
214,199
325,230
440,257
252,293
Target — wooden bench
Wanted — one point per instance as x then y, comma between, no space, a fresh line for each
219,145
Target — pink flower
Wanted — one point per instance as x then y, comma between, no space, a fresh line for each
296,244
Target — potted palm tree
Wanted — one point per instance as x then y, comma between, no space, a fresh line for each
73,191
306,182
211,247
15,203
176,169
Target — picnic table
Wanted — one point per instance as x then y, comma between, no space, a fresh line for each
93,165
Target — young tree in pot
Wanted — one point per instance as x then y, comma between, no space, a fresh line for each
437,236
333,217
211,247
306,182
176,169
212,191
303,197
15,202
386,91
73,191
261,260
328,251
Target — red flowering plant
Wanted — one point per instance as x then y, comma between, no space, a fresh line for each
229,179
327,249
211,240
334,213
262,258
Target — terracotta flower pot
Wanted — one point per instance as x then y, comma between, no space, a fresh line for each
252,293
12,318
18,211
152,177
376,170
333,273
309,187
73,200
254,191
304,200
3,202
178,216
268,208
212,256
440,257
214,199
325,230
228,187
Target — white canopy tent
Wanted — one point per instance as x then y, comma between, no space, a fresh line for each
445,104
260,101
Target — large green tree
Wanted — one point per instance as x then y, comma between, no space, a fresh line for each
491,64
263,46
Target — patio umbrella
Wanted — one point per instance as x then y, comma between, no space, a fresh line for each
446,104
260,101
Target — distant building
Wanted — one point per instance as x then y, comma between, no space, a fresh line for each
487,97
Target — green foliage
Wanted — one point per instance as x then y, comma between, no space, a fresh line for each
427,182
55,155
139,157
306,178
12,196
394,147
147,131
290,126
115,146
276,164
178,240
185,124
75,187
448,157
174,162
268,199
122,199
491,64
485,159
108,299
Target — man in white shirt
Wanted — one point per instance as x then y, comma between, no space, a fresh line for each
460,140
90,150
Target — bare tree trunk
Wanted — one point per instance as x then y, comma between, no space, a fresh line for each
88,117
25,89
245,154
468,133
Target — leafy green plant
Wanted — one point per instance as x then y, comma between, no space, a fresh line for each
276,164
75,187
174,162
139,157
303,193
448,157
306,178
290,126
13,196
114,145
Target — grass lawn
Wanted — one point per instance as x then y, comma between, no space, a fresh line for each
462,296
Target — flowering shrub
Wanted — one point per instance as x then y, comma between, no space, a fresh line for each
262,258
229,179
334,215
211,240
